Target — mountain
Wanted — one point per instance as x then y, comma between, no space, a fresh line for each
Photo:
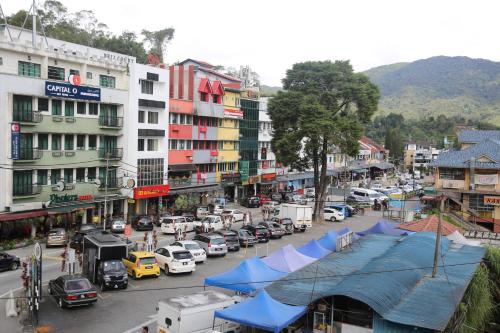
451,86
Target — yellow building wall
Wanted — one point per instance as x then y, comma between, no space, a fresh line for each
229,132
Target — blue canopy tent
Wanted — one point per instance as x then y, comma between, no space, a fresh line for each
329,241
287,259
262,312
250,275
314,250
385,228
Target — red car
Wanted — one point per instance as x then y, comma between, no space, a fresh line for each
263,198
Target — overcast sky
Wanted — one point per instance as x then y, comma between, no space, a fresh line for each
271,35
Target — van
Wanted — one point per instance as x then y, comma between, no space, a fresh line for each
170,224
366,194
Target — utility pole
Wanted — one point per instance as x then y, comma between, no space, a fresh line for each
106,191
438,237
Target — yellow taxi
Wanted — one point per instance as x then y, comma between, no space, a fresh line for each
140,264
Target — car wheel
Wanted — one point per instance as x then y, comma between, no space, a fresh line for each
14,266
134,275
332,219
167,270
125,286
60,303
302,230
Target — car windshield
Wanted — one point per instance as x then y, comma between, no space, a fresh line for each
111,266
227,212
276,225
75,285
286,221
217,241
56,232
168,221
182,255
147,261
118,222
244,233
193,246
144,220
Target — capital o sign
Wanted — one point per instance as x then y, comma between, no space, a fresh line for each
74,79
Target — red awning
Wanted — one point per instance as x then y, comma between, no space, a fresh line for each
23,215
205,86
217,88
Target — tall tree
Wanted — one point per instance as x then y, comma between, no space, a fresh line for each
158,40
324,106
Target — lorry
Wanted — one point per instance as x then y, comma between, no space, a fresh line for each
194,313
102,260
301,215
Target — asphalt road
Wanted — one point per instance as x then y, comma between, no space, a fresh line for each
120,311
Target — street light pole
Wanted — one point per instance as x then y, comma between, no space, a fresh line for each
438,238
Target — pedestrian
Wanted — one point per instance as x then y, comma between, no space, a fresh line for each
145,329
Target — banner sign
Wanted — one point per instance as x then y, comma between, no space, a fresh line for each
244,170
15,141
492,200
491,179
152,191
60,89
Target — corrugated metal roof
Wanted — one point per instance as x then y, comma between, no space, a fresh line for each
462,158
474,136
391,275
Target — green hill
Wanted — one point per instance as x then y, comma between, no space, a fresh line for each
452,86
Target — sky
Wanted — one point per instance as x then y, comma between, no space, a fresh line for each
270,36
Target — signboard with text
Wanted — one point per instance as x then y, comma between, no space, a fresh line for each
15,140
152,191
486,179
65,90
492,200
244,170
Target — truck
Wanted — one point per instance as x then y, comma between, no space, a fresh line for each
195,313
301,215
102,260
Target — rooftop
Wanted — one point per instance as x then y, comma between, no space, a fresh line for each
475,136
430,224
484,155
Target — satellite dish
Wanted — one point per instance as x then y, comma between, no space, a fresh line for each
60,186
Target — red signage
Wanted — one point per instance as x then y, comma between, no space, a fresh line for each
152,191
268,176
128,230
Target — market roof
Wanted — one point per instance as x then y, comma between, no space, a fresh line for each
392,275
197,299
313,249
483,155
430,224
287,259
475,136
383,227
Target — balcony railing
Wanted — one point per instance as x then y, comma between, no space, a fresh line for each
29,154
113,183
179,182
111,121
27,116
26,190
110,153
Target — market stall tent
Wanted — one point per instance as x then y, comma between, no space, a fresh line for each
314,250
329,241
384,228
262,312
287,259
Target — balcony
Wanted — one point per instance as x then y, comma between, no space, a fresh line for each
110,121
25,190
28,117
113,183
110,153
29,154
179,182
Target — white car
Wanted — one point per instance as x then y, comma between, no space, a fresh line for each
170,224
201,212
210,223
331,214
237,214
175,259
271,204
218,209
198,253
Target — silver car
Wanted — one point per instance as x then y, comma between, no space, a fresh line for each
118,226
213,244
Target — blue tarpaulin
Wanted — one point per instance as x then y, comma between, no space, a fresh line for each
314,250
262,312
329,241
287,259
385,228
250,275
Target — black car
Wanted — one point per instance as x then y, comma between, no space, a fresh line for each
251,202
260,232
8,262
76,242
286,224
245,238
231,238
112,274
143,223
275,229
72,290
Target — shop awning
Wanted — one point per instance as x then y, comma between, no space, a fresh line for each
382,165
262,312
69,208
23,215
195,189
182,167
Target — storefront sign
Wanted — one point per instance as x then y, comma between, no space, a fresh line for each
152,191
15,141
268,176
491,179
57,198
490,200
59,89
253,179
244,170
230,178
131,201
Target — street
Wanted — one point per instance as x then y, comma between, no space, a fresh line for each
119,311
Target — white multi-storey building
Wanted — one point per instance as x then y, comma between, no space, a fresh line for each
267,160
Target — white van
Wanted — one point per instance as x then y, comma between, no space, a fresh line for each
170,224
364,194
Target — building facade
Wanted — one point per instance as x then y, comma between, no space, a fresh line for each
266,168
249,143
419,156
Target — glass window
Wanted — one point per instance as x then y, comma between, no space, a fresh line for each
182,144
152,145
140,144
43,141
80,175
188,144
69,108
74,72
107,81
182,119
173,144
81,108
147,87
91,174
43,104
92,142
93,109
56,107
22,182
152,117
141,116
80,142
89,75
203,97
56,141
56,73
173,118
451,174
28,69
68,176
22,107
69,142
55,176
42,177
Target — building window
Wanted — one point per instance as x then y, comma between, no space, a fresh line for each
74,72
141,116
55,176
152,144
107,81
68,176
69,108
216,99
22,182
56,141
56,73
69,142
92,142
56,107
93,109
89,75
80,142
80,175
451,174
147,87
172,144
91,174
203,97
152,117
43,141
43,104
42,177
140,144
22,107
150,171
28,69
81,108
173,118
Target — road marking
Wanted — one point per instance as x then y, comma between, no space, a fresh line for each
139,327
103,297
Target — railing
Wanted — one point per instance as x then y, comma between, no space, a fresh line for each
179,182
29,154
482,234
113,183
110,153
27,116
26,189
110,121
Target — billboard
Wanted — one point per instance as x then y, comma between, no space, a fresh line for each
65,90
15,141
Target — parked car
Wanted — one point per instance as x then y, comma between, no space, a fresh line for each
310,192
271,204
259,232
357,200
251,202
286,224
57,237
276,197
112,274
209,223
369,195
218,209
245,238
198,253
175,259
170,225
231,238
331,214
189,216
118,226
9,262
140,264
201,212
143,223
162,216
213,244
275,229
237,214
263,199
72,290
